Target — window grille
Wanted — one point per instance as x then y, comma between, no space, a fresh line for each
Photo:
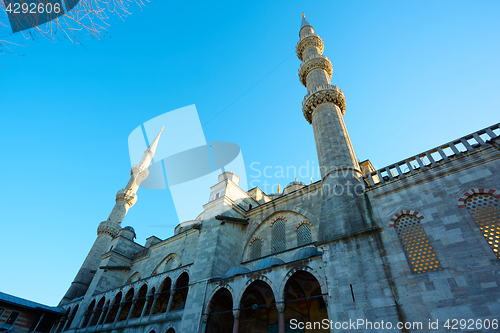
256,250
484,209
304,235
416,245
278,237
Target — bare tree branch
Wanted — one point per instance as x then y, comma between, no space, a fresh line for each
87,20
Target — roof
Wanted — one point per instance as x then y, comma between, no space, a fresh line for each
268,262
28,304
306,252
236,271
295,183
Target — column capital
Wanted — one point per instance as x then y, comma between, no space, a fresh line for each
236,313
280,306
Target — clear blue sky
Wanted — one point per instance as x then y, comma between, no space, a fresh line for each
416,74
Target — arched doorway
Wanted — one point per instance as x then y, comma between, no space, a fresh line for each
220,313
304,301
258,312
181,292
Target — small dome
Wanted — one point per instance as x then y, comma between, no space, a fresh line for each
268,262
239,270
129,228
295,183
306,253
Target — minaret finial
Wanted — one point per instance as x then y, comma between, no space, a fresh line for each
154,144
303,15
278,188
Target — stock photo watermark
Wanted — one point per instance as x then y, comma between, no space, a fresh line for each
338,181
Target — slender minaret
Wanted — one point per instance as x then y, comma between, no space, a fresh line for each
109,229
343,210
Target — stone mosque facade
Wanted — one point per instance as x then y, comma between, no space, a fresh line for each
412,242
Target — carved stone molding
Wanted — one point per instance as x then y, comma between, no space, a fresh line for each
106,228
310,40
320,62
323,94
129,197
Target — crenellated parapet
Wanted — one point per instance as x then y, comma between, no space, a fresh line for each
315,62
308,41
323,94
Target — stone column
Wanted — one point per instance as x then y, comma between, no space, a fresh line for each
148,297
66,323
104,309
153,306
131,310
204,320
59,322
236,324
81,321
107,314
39,320
172,292
281,317
118,313
91,317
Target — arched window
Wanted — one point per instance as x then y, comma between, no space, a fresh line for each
256,250
88,314
416,246
181,292
113,309
304,235
279,237
163,297
484,209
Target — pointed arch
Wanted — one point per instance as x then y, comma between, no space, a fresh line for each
181,291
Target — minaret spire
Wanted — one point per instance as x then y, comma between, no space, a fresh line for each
109,229
342,210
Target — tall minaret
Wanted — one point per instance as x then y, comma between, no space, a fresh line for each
107,230
342,207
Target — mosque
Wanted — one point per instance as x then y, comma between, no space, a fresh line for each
414,242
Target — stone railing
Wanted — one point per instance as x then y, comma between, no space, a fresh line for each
433,156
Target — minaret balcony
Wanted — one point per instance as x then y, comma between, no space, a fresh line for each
308,41
327,93
312,63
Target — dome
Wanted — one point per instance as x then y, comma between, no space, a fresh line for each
306,253
295,183
268,262
129,228
239,270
